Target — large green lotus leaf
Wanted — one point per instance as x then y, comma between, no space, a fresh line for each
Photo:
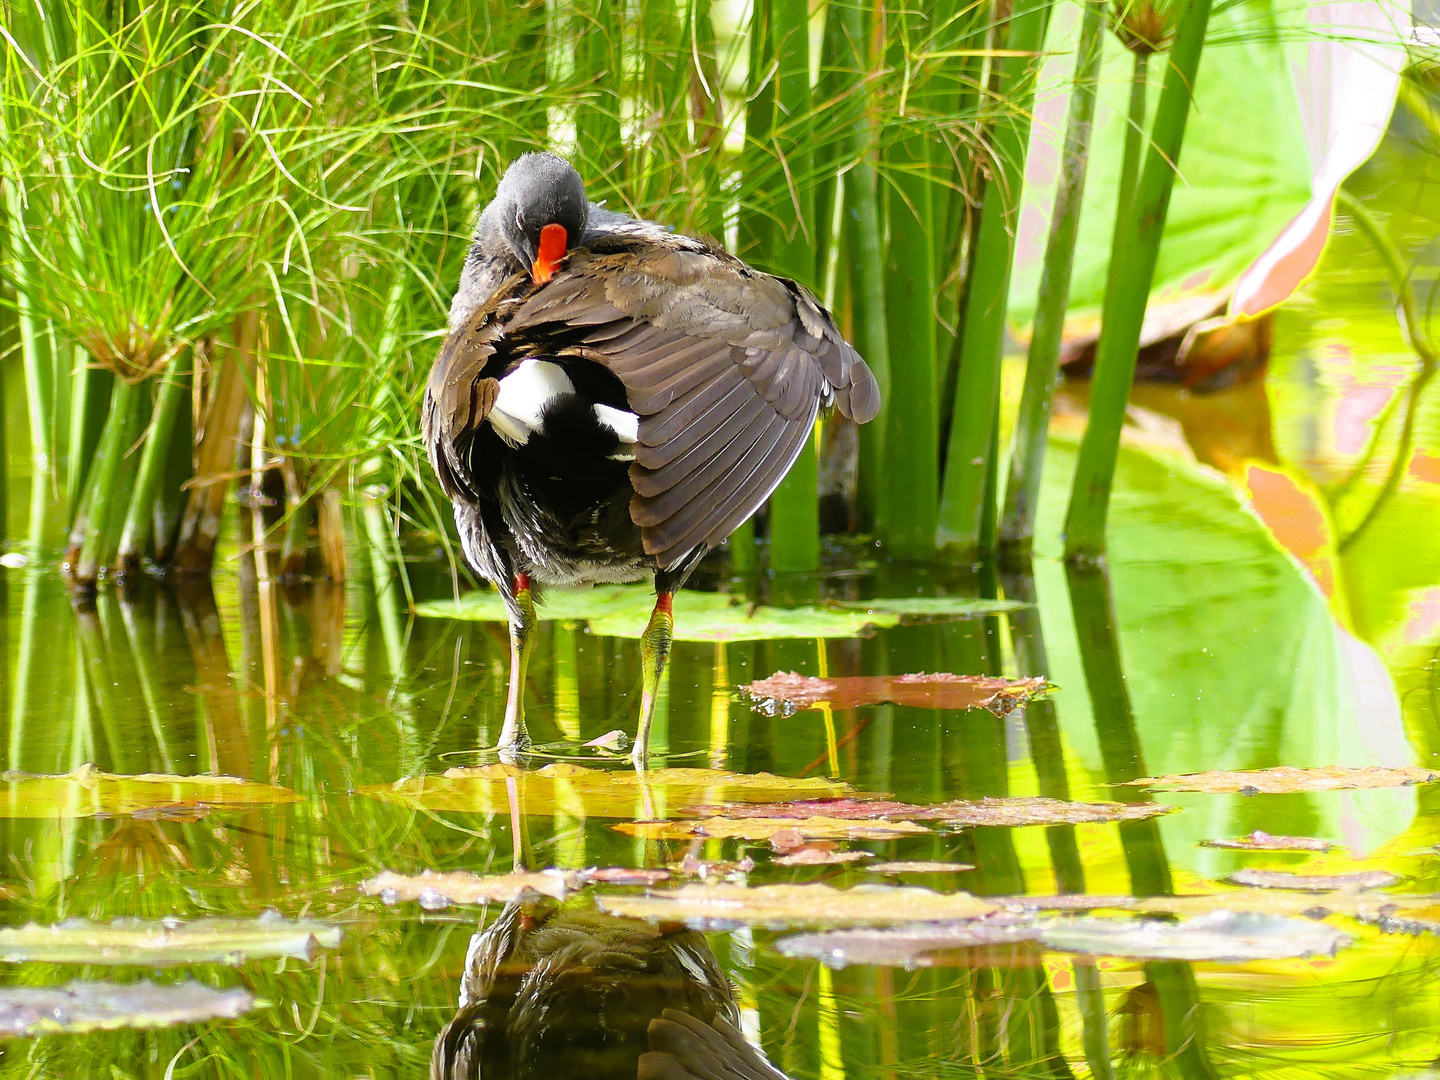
1285,106
600,793
87,792
102,1006
1232,660
624,610
158,943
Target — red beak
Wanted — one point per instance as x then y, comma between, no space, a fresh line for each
553,242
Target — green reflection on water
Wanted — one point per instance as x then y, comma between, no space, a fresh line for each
1208,646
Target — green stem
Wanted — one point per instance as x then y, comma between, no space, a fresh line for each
1134,137
911,473
597,114
975,415
105,495
91,389
795,506
1127,290
1032,426
39,391
861,220
173,396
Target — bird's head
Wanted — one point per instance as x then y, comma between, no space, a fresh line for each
540,211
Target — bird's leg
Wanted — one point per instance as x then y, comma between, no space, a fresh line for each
513,737
654,651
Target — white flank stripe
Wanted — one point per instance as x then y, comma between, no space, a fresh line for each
524,394
625,425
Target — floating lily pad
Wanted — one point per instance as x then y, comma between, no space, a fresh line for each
157,943
1066,902
1279,879
725,906
1005,812
80,1007
917,866
1355,905
602,793
713,869
435,890
624,610
1260,840
761,828
786,692
1220,936
88,792
1282,779
916,946
914,608
819,855
623,875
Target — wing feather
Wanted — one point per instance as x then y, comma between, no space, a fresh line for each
726,368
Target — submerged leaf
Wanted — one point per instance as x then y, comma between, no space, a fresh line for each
1005,812
156,943
603,793
435,890
1220,935
760,828
31,1011
724,906
1355,905
1260,840
912,946
1280,879
819,855
1283,778
624,611
88,792
918,867
933,607
623,875
787,692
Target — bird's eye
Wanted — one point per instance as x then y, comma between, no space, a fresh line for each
520,220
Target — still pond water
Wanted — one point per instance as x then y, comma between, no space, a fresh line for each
1229,634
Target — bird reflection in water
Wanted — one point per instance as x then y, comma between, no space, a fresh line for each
553,991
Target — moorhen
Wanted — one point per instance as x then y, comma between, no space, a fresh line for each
613,400
553,992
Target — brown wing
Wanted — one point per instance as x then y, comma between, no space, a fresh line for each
726,368
457,398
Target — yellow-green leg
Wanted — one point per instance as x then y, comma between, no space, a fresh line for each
513,737
654,651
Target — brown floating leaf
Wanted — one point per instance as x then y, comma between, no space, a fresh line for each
724,906
435,890
1066,902
819,855
1280,879
839,809
623,875
787,692
164,942
1260,840
1037,811
1355,905
1219,935
80,1007
604,793
1283,779
921,945
917,867
814,828
987,811
713,870
87,792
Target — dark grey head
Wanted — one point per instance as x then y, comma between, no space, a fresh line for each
539,190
